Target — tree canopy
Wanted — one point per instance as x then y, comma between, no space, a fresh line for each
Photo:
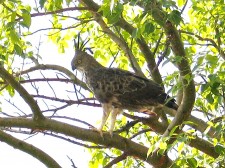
176,43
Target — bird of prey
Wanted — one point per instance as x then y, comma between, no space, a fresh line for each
117,89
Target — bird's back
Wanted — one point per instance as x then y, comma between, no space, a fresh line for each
126,90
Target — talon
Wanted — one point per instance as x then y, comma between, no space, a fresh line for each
99,131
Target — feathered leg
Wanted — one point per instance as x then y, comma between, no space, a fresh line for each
107,108
114,114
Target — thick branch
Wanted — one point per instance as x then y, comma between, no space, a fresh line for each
188,100
92,136
30,149
177,46
160,128
145,49
117,141
197,124
37,115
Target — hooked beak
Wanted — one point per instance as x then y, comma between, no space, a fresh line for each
73,67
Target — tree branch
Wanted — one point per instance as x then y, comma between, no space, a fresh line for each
145,49
98,18
177,46
81,101
117,141
188,99
30,149
116,160
57,68
213,43
37,115
59,11
196,142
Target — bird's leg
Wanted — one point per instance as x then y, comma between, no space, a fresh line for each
114,114
107,108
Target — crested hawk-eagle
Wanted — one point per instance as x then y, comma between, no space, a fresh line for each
117,89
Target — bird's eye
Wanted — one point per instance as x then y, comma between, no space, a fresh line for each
79,61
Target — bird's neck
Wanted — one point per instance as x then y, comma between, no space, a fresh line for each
91,67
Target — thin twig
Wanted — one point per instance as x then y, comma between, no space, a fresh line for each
49,84
71,160
140,132
15,106
162,55
116,160
127,126
157,44
74,142
59,11
185,5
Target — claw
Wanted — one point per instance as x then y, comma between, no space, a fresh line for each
99,131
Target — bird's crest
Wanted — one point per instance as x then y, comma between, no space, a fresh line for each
80,44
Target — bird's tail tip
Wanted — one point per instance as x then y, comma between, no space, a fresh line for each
171,104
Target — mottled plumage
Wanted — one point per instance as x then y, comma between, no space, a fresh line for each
117,89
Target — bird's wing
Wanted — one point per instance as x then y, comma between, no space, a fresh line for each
128,89
119,82
131,82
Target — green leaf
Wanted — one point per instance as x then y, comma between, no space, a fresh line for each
42,3
149,28
200,60
175,166
10,90
220,149
68,2
116,13
180,147
133,2
204,87
215,89
2,57
168,3
13,16
163,145
209,98
113,19
135,33
173,130
14,36
151,149
211,59
58,3
180,2
18,50
192,162
26,18
10,26
175,17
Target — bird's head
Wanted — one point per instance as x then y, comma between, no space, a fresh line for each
82,61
